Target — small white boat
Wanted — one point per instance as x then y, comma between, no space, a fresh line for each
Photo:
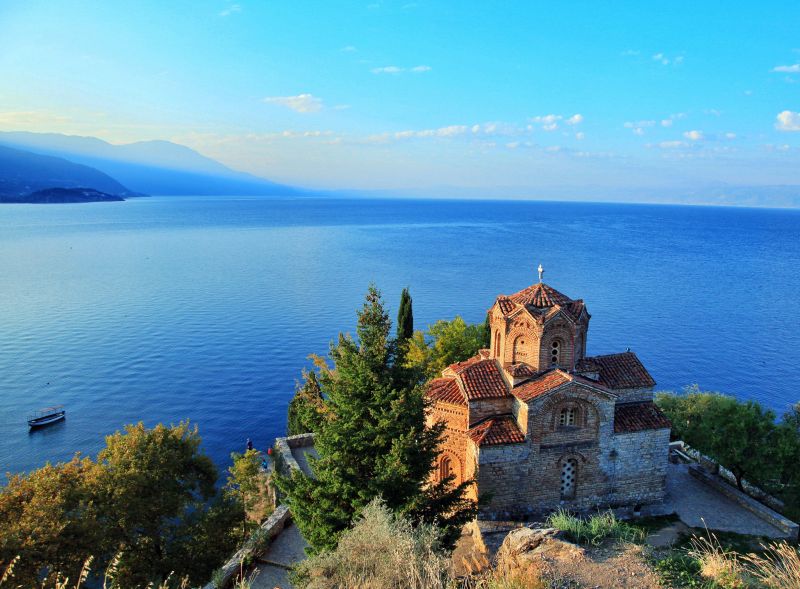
47,416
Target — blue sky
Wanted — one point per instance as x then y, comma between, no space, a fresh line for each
502,97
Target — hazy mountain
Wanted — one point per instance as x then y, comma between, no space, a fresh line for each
151,167
23,172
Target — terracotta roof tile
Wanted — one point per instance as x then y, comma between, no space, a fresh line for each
445,390
540,385
496,430
520,370
540,295
635,417
506,305
622,371
482,380
460,367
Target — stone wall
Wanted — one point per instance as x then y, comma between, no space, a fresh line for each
634,395
611,469
640,466
480,409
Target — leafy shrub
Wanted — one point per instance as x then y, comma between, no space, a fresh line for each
381,551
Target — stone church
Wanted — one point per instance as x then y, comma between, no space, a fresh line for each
538,424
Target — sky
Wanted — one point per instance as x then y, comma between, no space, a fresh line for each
494,98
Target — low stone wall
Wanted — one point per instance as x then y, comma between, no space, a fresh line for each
283,448
253,548
720,485
712,466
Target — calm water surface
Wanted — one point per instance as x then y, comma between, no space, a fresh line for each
163,309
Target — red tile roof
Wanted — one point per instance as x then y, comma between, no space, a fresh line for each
519,370
445,390
541,384
540,295
635,417
622,371
460,367
506,305
482,380
496,430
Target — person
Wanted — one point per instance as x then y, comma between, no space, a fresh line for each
249,444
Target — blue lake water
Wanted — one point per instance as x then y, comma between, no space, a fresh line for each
163,309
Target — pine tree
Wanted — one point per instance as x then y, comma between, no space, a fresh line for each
405,317
373,442
307,407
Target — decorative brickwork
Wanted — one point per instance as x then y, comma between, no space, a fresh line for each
539,425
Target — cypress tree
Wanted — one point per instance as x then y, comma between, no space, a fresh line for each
405,317
372,443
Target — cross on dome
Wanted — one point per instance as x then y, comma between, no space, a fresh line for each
541,272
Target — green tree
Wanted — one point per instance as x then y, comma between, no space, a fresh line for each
374,442
248,484
405,317
50,520
145,498
741,436
307,407
446,342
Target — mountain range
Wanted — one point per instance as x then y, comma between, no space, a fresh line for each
145,167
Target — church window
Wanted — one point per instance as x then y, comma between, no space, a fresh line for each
569,472
555,351
567,416
445,468
519,350
497,344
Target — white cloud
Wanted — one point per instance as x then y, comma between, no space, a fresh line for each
639,124
341,107
389,69
449,131
788,121
630,53
672,144
787,69
421,68
664,59
233,8
575,119
693,135
730,136
348,49
302,103
638,131
666,123
580,136
550,122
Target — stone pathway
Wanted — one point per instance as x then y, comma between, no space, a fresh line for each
273,568
698,505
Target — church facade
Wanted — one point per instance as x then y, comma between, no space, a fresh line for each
539,425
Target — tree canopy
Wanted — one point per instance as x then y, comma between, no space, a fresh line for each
149,499
444,343
405,316
307,407
373,441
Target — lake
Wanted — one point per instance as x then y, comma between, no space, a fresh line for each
163,309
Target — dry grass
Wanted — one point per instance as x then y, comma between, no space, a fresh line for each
777,568
721,566
58,581
381,551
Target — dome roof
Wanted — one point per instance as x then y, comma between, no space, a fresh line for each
540,295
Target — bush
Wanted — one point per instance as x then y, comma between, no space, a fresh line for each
381,551
595,529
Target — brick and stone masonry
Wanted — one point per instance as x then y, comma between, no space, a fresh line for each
539,425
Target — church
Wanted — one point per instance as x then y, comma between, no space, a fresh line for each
538,424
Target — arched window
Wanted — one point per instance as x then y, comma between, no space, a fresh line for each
569,474
555,352
519,350
445,468
497,344
568,416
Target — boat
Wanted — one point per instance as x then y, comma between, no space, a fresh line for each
47,416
